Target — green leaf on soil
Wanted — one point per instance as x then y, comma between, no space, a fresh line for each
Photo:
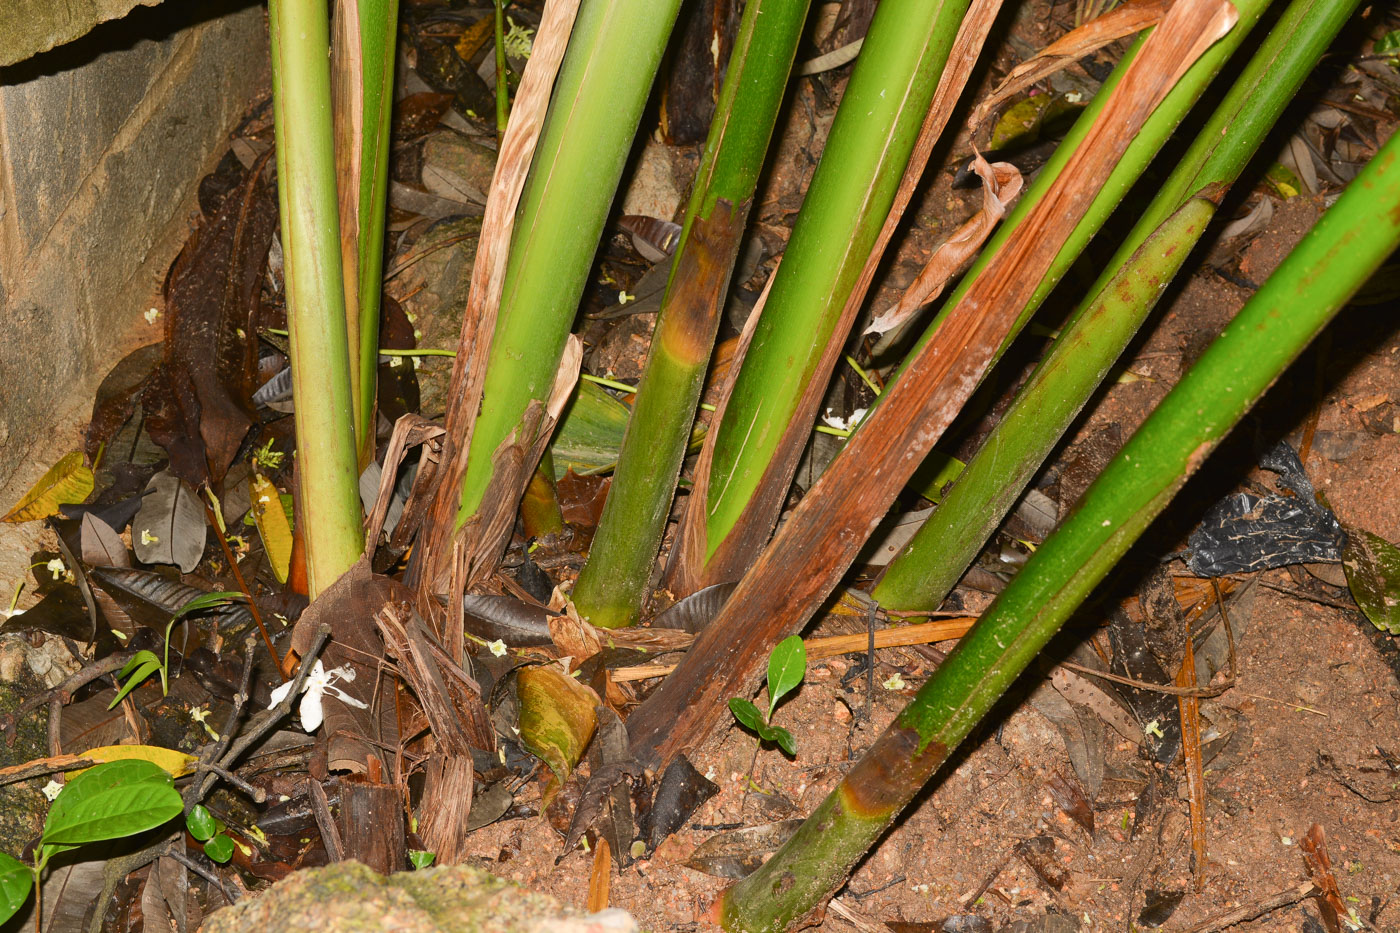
557,717
784,739
747,714
200,822
786,667
1372,566
220,848
67,482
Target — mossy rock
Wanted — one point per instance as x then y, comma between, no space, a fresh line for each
348,897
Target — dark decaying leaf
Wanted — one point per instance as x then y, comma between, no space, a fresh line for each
1039,853
164,898
118,395
680,793
61,612
1244,532
694,612
581,499
1083,731
1133,658
170,526
101,546
655,239
1372,567
151,599
116,515
276,393
1159,907
489,805
740,852
605,804
513,621
1070,798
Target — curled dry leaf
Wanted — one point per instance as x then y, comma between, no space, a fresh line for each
1001,182
1133,16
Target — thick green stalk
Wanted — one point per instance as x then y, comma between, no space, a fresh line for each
613,583
597,104
1345,247
363,65
1122,297
868,148
326,462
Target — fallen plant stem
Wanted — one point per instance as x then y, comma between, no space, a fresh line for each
1284,898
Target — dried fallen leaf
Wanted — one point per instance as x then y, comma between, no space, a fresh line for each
68,481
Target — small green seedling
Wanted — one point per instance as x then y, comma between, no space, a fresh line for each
109,801
209,829
420,859
786,667
145,663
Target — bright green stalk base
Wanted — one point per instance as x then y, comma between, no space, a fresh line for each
612,584
922,576
1348,244
598,99
868,148
316,326
378,41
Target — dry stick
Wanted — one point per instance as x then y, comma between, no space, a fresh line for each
1285,898
435,559
903,636
81,678
827,528
1190,711
207,874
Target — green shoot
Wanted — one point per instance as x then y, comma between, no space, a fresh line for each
145,663
786,667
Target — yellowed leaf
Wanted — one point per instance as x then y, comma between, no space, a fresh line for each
273,527
68,481
167,759
557,716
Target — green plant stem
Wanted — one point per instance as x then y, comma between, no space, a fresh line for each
871,139
602,87
612,584
1345,247
363,63
1089,344
316,323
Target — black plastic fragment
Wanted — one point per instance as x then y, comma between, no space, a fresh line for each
1244,533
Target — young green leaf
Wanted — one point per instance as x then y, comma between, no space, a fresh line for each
16,879
147,666
747,714
784,739
786,667
200,822
420,859
208,601
219,848
120,798
1372,566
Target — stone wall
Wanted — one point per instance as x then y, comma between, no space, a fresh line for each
102,145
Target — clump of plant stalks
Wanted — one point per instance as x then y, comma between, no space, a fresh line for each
561,159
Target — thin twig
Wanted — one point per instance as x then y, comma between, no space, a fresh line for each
1168,689
212,519
256,794
208,874
1311,597
1269,904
